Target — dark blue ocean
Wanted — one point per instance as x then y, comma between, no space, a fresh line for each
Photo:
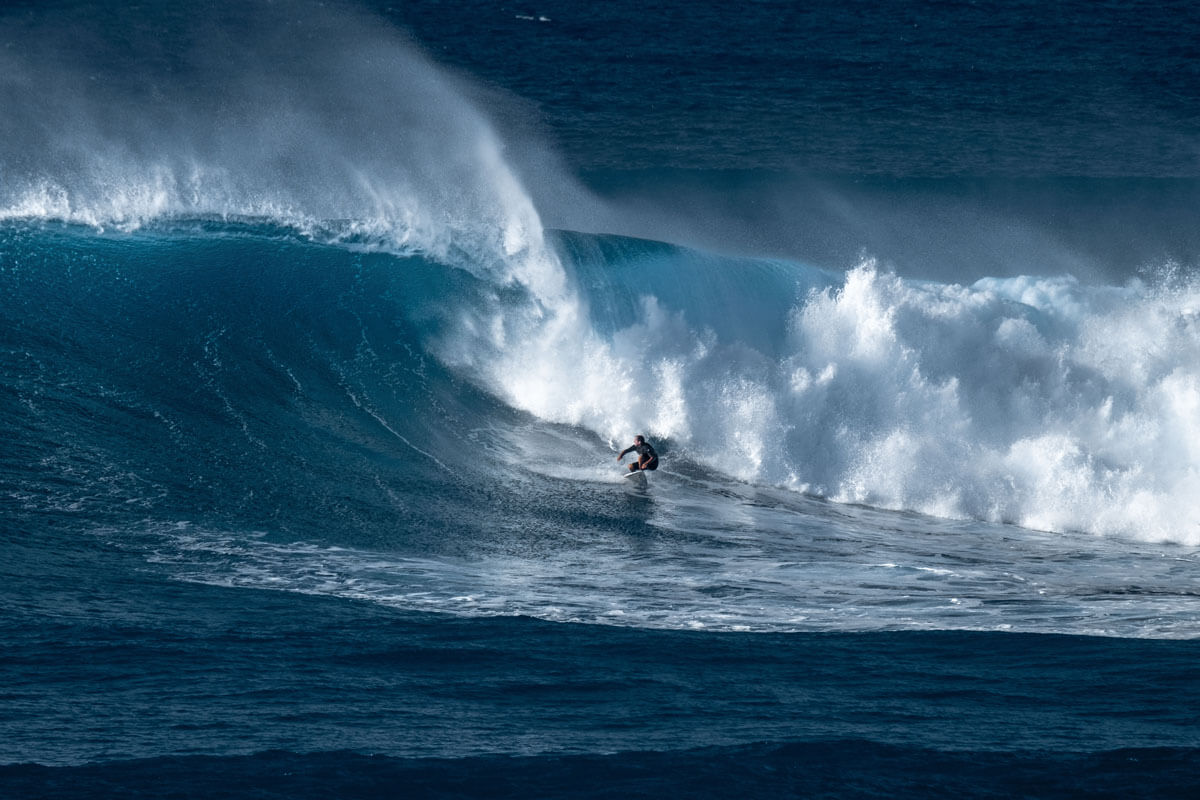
322,324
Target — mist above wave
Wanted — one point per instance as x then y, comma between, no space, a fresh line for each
298,114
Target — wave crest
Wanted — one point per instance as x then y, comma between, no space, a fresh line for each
307,117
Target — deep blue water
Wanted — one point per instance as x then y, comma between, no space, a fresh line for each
321,326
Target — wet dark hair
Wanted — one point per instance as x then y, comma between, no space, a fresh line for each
639,438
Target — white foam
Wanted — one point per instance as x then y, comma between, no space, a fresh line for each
1038,401
802,570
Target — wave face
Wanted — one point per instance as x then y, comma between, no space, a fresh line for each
226,371
1035,401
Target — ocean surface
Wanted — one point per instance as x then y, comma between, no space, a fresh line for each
322,324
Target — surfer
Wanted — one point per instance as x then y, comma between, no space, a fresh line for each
647,458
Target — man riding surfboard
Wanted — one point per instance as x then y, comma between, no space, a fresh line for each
647,458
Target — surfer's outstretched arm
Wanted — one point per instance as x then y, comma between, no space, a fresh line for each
623,452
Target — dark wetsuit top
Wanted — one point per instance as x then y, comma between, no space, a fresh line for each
644,450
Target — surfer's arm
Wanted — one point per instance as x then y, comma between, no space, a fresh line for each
623,452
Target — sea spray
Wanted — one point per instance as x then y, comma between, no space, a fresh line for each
317,118
1036,401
